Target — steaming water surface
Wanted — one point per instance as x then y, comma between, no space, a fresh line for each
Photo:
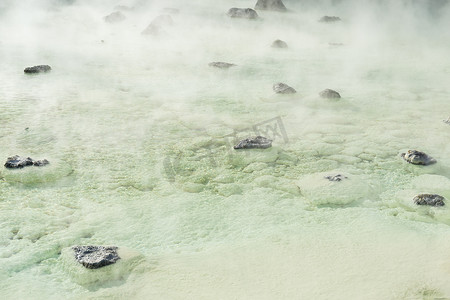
138,131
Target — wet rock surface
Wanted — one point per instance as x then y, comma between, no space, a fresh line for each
94,257
258,142
329,19
221,65
282,88
337,177
429,199
417,158
276,5
38,69
329,94
245,13
279,44
115,17
156,27
18,162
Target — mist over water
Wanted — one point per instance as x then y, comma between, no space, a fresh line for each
139,131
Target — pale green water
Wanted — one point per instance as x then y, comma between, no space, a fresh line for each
136,132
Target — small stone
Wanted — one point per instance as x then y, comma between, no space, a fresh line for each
329,19
282,88
94,257
429,199
417,158
246,13
115,17
276,5
221,65
279,44
337,177
329,94
258,142
37,69
18,162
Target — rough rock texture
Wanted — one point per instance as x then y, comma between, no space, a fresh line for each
221,65
429,199
94,257
115,17
279,44
329,19
417,158
258,142
276,5
156,27
246,13
282,88
330,94
337,177
38,69
18,162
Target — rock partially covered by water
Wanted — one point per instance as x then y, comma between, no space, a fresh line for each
221,65
258,142
337,177
156,27
429,199
276,5
329,94
18,162
245,13
94,257
329,19
282,88
447,121
279,44
417,158
37,69
115,17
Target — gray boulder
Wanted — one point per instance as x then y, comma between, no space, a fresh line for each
337,177
115,17
221,65
257,142
37,69
18,162
276,5
94,257
417,158
329,94
279,44
329,19
429,199
156,27
244,13
282,88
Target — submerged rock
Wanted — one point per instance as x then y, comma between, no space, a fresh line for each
115,17
258,142
18,162
335,44
94,257
337,177
279,44
417,158
429,199
246,13
329,19
282,88
276,5
447,121
38,69
221,65
156,27
123,8
330,94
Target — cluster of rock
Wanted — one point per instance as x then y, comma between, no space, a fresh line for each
94,257
18,162
257,142
429,199
37,69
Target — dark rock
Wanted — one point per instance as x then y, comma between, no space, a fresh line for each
115,17
329,19
447,121
279,44
18,162
429,199
276,5
94,257
221,65
337,177
330,94
282,88
38,69
257,142
156,27
417,158
246,13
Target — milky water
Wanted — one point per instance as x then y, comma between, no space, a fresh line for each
139,132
